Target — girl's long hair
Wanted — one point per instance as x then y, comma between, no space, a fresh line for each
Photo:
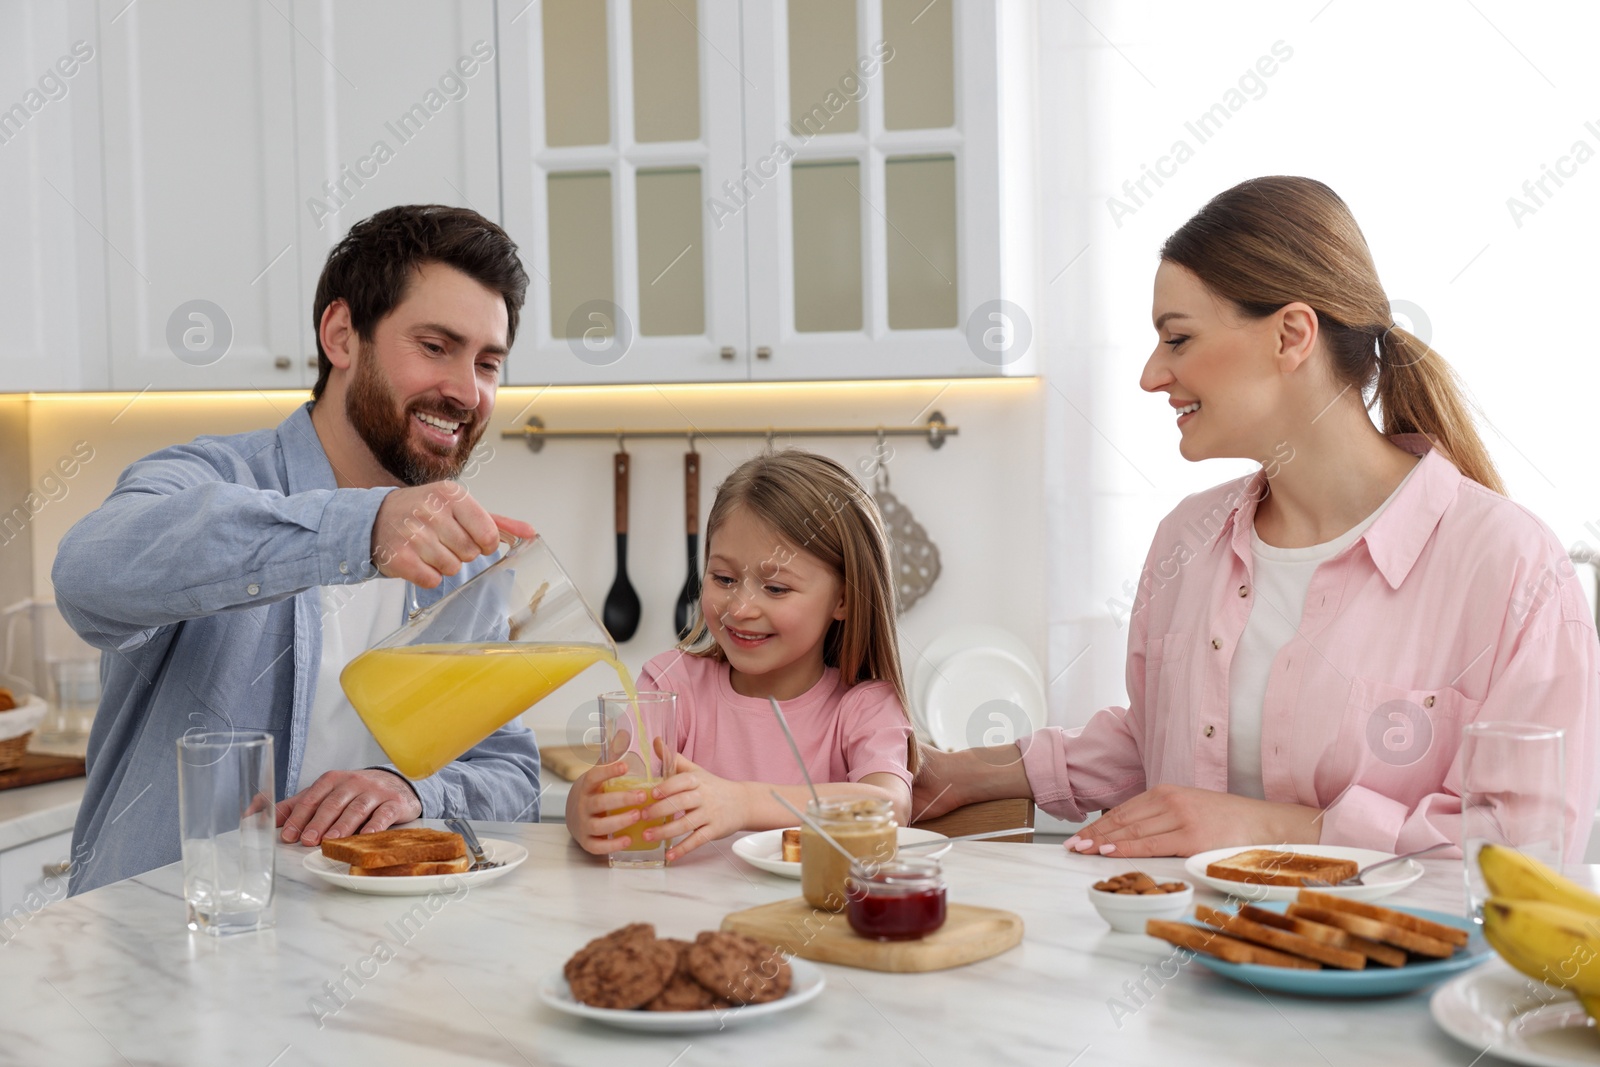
815,505
1271,241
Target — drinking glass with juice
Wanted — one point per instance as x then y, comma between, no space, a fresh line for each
640,728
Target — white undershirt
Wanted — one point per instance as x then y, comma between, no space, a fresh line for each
1282,580
354,618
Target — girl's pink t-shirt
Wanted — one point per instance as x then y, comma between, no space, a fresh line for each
844,732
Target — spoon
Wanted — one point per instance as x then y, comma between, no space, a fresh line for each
1355,879
940,842
815,799
621,614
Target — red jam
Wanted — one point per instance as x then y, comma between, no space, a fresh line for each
901,900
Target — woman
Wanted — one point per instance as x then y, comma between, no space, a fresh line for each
1308,642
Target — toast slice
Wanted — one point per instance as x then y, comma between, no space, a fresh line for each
407,870
1453,935
791,846
1265,866
390,848
1374,930
1261,934
1209,941
1387,955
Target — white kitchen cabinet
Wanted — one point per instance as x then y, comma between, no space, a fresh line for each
203,288
394,104
52,277
242,140
814,210
618,116
36,869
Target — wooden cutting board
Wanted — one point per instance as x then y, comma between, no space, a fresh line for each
568,761
38,767
969,934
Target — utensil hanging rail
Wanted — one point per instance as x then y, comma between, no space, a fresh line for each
935,430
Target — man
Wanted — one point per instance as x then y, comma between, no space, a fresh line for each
229,580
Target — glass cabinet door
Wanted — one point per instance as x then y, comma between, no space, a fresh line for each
875,238
618,114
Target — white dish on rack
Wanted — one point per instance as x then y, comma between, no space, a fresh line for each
966,668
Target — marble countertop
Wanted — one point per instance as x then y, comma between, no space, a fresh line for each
114,977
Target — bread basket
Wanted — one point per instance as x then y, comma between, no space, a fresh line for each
16,727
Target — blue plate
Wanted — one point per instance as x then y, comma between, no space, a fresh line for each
1374,980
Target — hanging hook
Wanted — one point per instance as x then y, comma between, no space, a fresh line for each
770,432
880,481
691,441
622,442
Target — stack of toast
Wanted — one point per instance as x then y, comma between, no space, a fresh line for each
411,850
1317,931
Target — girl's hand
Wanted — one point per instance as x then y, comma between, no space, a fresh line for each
1177,820
697,803
589,816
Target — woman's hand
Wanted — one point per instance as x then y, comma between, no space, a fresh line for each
1177,820
697,803
589,809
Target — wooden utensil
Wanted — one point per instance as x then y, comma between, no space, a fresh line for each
621,614
683,612
969,934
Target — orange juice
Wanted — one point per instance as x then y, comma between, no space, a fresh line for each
634,832
427,704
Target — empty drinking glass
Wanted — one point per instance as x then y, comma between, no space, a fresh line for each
1513,793
226,819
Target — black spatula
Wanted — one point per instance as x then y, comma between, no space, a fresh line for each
683,613
621,614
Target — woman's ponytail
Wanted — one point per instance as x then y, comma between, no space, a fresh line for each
1418,392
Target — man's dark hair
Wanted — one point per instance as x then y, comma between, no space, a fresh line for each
371,266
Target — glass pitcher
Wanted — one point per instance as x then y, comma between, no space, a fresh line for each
476,659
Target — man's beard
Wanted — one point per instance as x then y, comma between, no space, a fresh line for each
375,413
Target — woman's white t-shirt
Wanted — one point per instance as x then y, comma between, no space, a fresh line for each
1282,580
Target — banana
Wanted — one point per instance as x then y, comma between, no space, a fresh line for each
1548,942
1514,876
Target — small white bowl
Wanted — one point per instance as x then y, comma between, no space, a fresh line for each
1127,912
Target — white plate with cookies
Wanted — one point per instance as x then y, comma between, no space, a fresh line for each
1378,885
507,853
808,982
765,849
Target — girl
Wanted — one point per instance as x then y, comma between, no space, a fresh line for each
797,604
1308,642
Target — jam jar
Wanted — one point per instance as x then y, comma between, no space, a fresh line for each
865,828
901,900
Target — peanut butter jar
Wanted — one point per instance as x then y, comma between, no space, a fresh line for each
866,829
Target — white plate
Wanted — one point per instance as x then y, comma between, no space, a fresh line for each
966,668
1495,1009
808,982
1379,884
506,852
765,850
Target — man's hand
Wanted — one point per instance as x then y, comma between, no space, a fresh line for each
426,532
340,803
1178,820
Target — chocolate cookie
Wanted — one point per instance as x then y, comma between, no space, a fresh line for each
625,974
643,931
738,968
682,993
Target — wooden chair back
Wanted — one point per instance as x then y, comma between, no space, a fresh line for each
984,816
